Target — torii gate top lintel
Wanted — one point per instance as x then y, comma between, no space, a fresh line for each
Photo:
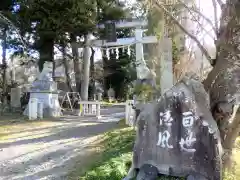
126,24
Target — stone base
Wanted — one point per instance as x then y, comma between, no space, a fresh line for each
51,106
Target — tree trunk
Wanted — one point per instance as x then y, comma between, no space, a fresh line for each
105,74
46,50
223,83
12,73
92,87
4,66
66,68
86,68
76,63
54,68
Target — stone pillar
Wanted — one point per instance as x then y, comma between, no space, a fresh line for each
98,110
15,98
99,96
111,95
40,110
142,69
166,78
129,112
33,109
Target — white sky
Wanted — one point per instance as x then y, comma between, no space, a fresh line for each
207,10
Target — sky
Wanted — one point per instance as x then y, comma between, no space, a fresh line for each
207,10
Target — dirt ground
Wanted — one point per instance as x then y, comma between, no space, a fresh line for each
39,150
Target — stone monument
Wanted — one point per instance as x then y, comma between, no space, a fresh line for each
15,98
99,92
177,136
44,89
111,95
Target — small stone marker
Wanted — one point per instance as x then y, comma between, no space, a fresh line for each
111,94
99,96
15,97
33,109
129,112
178,135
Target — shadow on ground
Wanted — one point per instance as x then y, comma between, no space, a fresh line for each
48,152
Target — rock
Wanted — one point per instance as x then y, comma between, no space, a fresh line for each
178,135
147,172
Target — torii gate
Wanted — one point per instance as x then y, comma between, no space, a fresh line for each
166,77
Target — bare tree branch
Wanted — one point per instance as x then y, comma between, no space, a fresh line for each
200,24
203,49
10,23
215,16
200,13
220,3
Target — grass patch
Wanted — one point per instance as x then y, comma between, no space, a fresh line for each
237,159
114,160
112,156
116,156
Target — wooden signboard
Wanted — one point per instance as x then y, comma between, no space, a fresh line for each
178,135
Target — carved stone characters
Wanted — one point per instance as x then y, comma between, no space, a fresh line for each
178,135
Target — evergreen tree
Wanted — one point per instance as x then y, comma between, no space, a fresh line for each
48,19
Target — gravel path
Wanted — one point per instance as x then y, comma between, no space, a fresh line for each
48,152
